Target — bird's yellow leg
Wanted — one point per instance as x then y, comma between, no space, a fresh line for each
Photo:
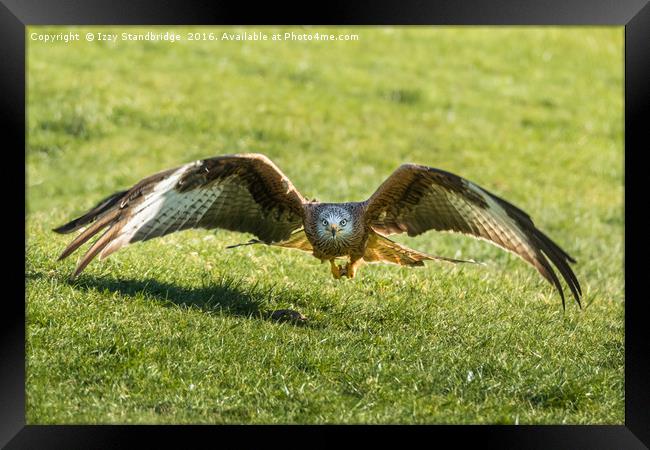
351,267
335,269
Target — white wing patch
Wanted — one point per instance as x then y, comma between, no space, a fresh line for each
489,219
145,212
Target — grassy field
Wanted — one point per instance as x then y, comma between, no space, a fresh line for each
176,330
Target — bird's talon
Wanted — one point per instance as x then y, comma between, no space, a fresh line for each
336,270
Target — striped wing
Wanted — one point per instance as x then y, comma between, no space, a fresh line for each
415,199
246,193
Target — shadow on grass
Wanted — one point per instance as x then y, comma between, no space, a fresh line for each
224,296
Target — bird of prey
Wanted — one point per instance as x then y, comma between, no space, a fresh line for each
249,193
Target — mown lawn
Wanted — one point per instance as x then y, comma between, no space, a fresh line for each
176,330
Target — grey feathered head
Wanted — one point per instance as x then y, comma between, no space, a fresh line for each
334,223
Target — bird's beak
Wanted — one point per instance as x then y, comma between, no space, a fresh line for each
334,229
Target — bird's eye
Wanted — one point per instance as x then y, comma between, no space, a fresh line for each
343,222
324,222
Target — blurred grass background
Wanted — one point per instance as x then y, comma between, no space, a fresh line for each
175,330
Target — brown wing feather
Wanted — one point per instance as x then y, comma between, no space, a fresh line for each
415,199
245,192
382,249
297,240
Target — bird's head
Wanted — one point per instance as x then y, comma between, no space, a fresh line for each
335,223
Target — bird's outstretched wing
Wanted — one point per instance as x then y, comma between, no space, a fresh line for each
416,198
245,192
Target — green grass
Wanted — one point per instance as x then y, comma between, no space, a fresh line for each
176,330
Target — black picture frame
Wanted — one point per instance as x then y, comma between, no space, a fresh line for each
15,15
